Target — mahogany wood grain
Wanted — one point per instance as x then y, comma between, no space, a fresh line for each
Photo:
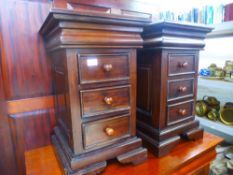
171,92
42,156
8,158
105,100
179,64
32,129
180,88
179,111
18,144
25,66
26,76
96,63
105,132
186,158
27,133
30,104
74,103
26,72
98,68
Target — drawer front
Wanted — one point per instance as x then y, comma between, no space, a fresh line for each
181,88
105,100
179,64
103,68
105,132
179,112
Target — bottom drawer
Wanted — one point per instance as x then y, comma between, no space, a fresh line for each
106,131
179,112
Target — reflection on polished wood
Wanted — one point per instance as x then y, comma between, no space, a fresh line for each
30,104
187,158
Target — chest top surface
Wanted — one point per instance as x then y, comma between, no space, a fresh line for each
69,29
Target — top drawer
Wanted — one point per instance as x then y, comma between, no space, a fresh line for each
181,64
103,67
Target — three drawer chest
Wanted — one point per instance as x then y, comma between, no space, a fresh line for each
167,80
94,73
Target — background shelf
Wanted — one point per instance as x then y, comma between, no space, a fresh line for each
217,128
222,90
222,30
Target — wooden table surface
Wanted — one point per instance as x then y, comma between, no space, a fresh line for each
185,158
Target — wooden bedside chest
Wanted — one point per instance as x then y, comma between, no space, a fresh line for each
94,70
167,80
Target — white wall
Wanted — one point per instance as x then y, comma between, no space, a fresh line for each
217,50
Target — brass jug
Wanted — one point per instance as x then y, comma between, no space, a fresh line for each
212,102
213,114
226,115
201,108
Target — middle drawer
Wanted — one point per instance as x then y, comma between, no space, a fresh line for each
180,88
105,100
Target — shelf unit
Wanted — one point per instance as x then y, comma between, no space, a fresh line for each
217,128
221,89
218,50
224,29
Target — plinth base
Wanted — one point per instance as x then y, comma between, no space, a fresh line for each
94,162
162,142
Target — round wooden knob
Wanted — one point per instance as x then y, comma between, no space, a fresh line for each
108,100
107,67
182,112
185,64
183,89
109,131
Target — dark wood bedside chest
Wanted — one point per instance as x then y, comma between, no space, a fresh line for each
94,74
167,80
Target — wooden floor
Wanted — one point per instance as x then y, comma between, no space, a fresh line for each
185,158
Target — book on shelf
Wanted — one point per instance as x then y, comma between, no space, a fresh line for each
228,16
206,15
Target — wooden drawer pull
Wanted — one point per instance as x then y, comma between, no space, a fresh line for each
182,88
108,100
183,65
109,131
182,112
107,67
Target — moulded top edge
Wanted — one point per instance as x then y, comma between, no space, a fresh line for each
57,15
180,25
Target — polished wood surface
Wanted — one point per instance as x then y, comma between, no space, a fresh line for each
187,158
167,73
8,158
180,88
105,132
105,100
26,66
94,67
180,64
26,69
102,68
179,112
26,76
22,123
30,104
